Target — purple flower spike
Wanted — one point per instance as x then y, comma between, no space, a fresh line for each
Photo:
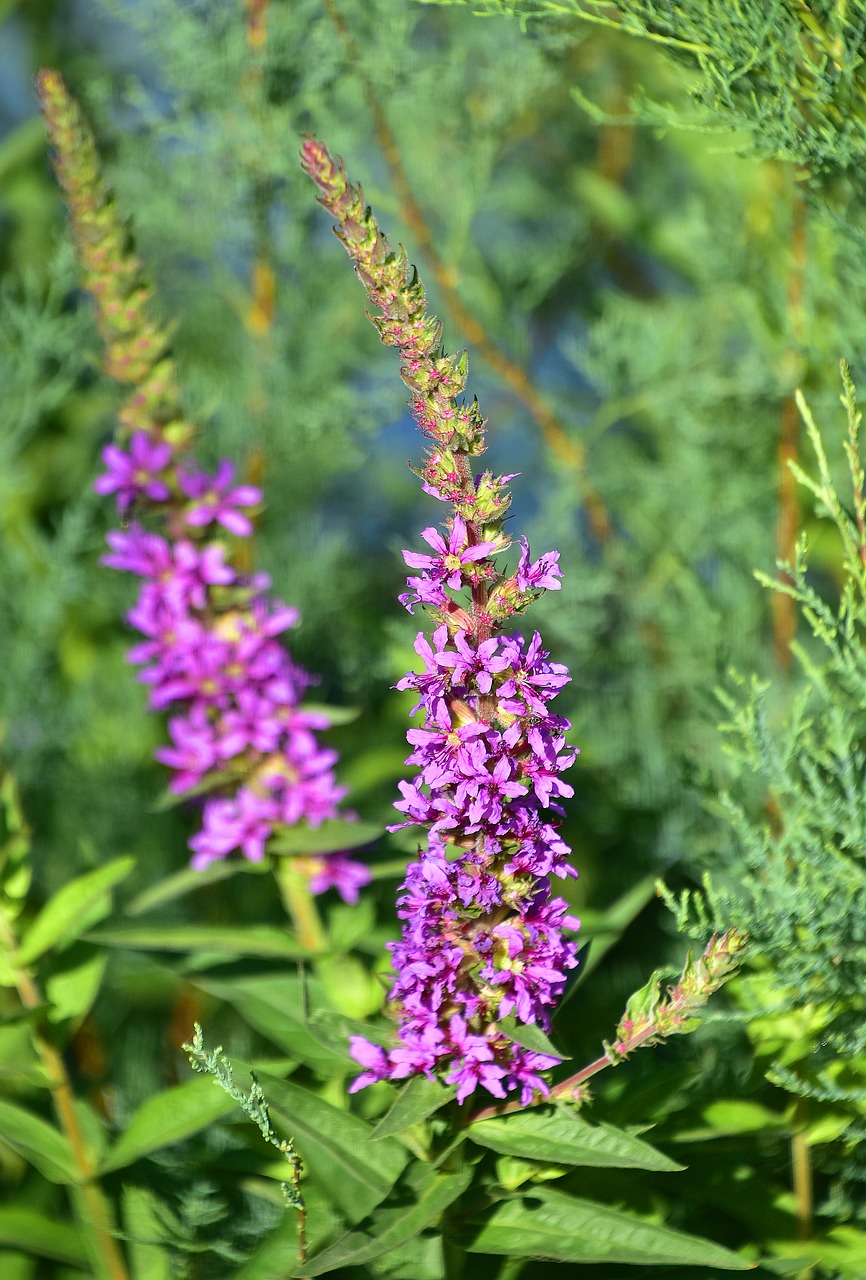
482,937
211,653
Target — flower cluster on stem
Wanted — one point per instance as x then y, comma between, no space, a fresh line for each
210,648
483,938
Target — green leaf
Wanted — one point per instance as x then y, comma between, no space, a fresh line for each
252,940
333,835
352,1172
187,881
42,1235
415,1102
276,1006
741,1115
418,1200
561,1137
546,1223
168,1117
147,1259
38,1142
74,984
273,1257
73,909
336,715
531,1037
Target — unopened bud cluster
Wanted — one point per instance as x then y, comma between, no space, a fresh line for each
649,1017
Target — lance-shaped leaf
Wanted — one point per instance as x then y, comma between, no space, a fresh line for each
561,1137
417,1099
166,1118
354,1173
329,837
188,881
276,1007
546,1223
418,1200
530,1035
73,910
38,1142
37,1233
254,940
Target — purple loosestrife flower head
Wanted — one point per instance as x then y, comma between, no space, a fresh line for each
210,651
483,938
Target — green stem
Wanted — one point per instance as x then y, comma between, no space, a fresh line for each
452,1259
801,1169
300,905
89,1202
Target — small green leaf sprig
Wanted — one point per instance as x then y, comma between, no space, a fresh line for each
254,1106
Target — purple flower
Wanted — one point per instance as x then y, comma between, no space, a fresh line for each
214,501
337,871
135,474
474,1064
372,1058
243,822
195,751
480,664
542,574
452,557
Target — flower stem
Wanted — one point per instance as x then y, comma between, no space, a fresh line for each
648,1018
784,612
294,887
801,1170
89,1202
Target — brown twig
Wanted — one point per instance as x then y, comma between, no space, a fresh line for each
784,609
571,452
95,1216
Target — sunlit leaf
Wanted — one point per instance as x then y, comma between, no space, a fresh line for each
168,1117
37,1141
250,940
416,1100
332,836
561,1137
44,1236
546,1223
353,1172
73,909
419,1200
